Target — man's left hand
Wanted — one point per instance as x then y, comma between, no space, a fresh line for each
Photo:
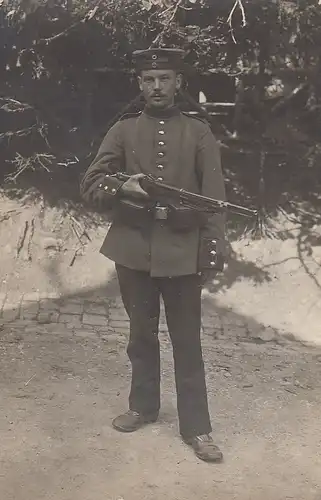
207,276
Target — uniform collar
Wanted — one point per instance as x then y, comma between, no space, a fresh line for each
162,113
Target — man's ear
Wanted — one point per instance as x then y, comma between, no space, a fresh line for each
139,80
179,81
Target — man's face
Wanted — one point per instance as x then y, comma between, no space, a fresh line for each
159,87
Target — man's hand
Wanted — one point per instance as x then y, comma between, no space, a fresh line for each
132,187
207,276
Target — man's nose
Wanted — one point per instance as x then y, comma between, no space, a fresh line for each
156,84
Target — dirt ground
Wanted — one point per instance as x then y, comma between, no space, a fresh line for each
59,392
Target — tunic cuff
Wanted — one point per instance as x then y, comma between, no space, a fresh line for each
210,256
110,185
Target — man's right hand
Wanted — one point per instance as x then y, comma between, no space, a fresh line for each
132,188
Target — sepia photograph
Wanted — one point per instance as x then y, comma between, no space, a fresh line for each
160,257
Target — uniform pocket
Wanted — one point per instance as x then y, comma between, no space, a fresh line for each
185,218
133,214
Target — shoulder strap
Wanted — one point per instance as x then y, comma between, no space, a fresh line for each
195,117
130,115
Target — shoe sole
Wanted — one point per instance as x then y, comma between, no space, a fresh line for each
134,429
217,460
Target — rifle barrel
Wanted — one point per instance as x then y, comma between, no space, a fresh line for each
199,201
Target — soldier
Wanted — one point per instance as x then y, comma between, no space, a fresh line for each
160,250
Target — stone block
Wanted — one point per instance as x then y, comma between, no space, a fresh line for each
119,324
55,328
96,299
83,332
49,305
121,331
25,314
71,319
118,315
30,307
117,304
76,300
48,317
93,308
94,320
114,336
23,323
10,313
31,297
71,308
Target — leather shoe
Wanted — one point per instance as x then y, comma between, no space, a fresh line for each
131,421
205,449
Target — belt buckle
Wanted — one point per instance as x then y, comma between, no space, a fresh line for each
160,212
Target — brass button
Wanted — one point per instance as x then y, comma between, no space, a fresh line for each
213,252
100,185
160,167
160,178
161,143
162,122
106,188
161,132
212,263
160,154
113,190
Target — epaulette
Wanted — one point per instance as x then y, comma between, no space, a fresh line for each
199,118
130,115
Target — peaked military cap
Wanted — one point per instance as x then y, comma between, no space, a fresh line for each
164,58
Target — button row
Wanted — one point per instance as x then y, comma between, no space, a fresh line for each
161,154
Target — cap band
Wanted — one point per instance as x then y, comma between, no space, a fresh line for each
158,59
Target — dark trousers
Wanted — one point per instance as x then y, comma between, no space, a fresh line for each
182,300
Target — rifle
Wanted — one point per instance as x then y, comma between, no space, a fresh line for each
161,191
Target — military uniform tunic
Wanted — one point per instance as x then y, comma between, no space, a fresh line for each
177,149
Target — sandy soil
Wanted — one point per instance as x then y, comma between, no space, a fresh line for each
57,442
